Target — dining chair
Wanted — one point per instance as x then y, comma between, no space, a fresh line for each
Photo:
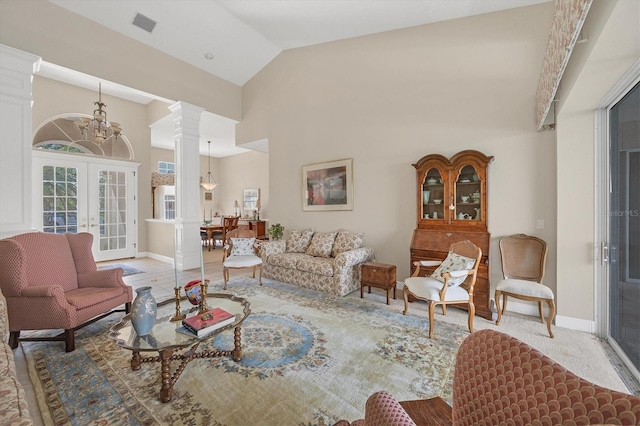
229,223
451,283
523,263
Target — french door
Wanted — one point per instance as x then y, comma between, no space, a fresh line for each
75,193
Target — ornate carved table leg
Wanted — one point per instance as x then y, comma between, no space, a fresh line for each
166,392
135,361
237,351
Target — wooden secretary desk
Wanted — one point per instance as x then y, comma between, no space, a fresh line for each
452,206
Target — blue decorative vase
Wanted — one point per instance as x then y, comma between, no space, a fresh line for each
143,311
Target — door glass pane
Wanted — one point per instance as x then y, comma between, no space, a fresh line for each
112,192
624,215
59,199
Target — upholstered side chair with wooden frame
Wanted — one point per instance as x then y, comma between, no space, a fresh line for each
450,284
523,263
241,251
51,281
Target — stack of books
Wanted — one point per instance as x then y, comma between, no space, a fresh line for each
205,323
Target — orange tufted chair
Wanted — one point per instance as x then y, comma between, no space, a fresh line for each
51,281
500,380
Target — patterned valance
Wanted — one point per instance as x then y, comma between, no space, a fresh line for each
567,23
159,179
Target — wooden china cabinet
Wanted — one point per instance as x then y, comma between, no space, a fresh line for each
452,206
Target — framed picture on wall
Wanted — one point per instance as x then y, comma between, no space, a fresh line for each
328,186
208,196
251,198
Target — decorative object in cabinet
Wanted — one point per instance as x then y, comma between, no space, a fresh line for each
455,209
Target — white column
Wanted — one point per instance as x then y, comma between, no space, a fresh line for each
16,76
187,158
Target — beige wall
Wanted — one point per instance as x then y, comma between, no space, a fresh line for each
613,31
240,172
388,99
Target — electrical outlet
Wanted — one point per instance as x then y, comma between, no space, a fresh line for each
540,223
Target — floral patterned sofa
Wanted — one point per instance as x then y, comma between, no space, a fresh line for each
13,404
325,261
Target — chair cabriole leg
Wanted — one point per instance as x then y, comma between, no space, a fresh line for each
552,314
405,295
472,314
432,308
497,297
540,312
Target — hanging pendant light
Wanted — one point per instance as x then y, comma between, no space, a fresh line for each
209,182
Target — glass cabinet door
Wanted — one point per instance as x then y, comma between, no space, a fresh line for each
433,195
468,195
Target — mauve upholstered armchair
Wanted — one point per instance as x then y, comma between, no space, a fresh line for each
499,380
51,282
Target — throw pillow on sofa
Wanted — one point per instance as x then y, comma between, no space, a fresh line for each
346,241
453,262
298,241
242,246
321,244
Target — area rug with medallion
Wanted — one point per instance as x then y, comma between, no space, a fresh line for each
309,358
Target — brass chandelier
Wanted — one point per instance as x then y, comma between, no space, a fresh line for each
209,182
98,127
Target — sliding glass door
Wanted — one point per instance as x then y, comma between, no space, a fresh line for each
624,225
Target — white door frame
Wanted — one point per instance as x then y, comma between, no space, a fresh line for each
602,187
90,163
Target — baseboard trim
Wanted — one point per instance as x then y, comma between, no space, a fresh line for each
576,324
161,258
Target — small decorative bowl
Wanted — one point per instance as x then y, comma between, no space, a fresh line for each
437,201
193,290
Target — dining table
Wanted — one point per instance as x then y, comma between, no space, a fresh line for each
210,229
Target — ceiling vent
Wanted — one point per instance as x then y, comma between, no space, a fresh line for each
144,22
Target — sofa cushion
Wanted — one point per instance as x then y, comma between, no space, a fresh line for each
242,246
346,241
453,262
316,265
285,260
298,241
321,244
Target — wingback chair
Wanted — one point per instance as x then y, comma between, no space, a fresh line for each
499,380
51,281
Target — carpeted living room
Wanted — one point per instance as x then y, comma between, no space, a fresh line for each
395,146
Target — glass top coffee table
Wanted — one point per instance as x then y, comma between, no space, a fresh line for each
172,345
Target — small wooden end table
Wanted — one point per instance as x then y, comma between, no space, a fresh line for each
380,275
431,412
